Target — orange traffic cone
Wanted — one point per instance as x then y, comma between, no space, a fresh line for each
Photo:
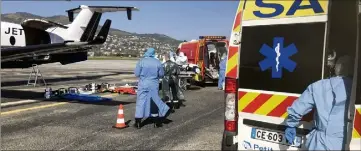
120,119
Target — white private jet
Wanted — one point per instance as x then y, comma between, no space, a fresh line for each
38,41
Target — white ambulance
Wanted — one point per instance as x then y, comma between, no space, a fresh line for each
278,48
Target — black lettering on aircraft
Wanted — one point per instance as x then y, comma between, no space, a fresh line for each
8,31
14,31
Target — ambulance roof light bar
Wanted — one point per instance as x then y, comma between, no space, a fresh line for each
212,37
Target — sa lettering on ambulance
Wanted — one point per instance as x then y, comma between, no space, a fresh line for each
265,9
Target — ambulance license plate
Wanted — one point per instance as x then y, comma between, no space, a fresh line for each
275,137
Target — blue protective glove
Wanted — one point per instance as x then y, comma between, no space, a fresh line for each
290,133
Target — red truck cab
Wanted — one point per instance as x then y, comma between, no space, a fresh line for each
205,52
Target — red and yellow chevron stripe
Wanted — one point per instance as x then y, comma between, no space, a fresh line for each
356,133
266,104
238,19
275,105
232,60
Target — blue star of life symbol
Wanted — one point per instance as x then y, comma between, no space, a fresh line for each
277,57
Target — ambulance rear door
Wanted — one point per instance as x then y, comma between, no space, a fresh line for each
281,52
355,143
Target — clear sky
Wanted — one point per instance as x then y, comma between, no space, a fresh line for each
183,20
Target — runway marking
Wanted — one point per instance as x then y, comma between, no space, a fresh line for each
109,95
33,101
18,102
38,107
33,108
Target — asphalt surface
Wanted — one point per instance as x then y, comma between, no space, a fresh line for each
14,81
64,125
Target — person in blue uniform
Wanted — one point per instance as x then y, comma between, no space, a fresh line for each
222,71
329,98
148,71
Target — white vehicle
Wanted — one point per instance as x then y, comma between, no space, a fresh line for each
38,41
278,48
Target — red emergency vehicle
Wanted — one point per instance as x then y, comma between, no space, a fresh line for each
206,53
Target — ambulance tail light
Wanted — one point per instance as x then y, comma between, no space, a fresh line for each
230,126
230,105
230,85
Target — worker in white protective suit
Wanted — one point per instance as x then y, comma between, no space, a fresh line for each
329,97
172,56
181,59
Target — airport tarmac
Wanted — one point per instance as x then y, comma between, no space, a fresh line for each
14,81
65,125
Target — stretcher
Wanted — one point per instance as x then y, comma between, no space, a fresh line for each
186,75
185,79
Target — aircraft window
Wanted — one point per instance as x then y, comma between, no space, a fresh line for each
12,40
309,41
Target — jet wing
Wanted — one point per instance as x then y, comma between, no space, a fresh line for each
14,53
129,10
105,8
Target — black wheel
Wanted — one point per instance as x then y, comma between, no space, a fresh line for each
202,84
